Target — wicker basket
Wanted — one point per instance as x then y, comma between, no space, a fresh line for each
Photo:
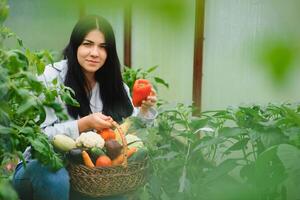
109,181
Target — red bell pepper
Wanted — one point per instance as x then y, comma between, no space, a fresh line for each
141,90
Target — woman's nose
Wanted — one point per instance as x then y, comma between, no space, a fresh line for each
94,51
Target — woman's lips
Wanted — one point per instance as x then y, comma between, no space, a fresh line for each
93,61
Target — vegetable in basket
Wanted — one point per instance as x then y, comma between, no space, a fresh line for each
134,141
113,148
90,139
107,134
87,160
103,161
63,142
95,152
120,159
75,156
139,155
124,127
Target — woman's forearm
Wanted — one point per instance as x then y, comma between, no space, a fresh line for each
83,124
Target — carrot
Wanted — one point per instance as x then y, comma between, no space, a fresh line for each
87,160
120,159
131,151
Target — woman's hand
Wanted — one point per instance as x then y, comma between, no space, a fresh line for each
147,104
96,121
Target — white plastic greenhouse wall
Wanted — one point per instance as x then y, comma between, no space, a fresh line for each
233,31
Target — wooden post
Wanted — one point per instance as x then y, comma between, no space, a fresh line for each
127,35
198,54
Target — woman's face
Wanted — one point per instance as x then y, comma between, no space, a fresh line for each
91,54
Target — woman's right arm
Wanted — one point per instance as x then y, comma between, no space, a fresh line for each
53,126
72,128
95,121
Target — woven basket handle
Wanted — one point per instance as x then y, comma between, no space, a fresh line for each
124,152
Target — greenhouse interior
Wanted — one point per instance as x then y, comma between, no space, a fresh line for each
149,100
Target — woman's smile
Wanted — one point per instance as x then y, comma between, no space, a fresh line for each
93,62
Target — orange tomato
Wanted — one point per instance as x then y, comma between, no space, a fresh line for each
103,161
107,134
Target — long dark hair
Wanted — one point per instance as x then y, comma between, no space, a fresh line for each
116,102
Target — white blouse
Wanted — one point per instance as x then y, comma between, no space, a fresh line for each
95,104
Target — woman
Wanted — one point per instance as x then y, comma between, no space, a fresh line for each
92,69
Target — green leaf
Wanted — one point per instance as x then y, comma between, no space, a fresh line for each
164,196
254,135
168,156
292,115
4,115
26,105
16,61
4,91
50,95
151,69
269,170
42,114
229,132
27,130
54,81
7,191
290,157
40,66
5,130
161,81
239,145
223,114
36,85
20,42
23,93
38,145
155,186
68,99
272,136
248,171
196,124
57,107
208,141
62,115
48,56
222,169
4,10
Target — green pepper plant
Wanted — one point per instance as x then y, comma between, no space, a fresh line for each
247,152
23,100
131,74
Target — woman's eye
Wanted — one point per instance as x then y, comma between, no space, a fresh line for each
86,44
103,45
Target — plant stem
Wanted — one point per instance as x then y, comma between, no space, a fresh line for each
187,154
253,150
214,152
244,152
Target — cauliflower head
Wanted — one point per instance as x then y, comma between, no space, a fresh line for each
90,139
